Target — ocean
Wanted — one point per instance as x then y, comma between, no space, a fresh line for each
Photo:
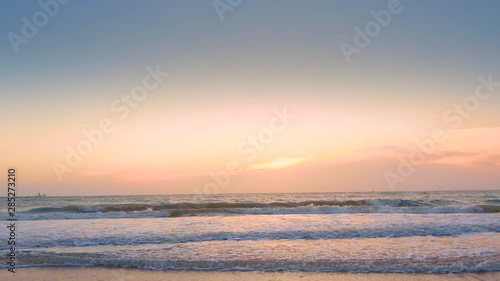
403,232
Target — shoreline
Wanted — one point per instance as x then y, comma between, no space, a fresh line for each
122,274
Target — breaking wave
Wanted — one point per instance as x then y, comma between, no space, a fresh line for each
228,208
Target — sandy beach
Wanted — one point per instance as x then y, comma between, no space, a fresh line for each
107,274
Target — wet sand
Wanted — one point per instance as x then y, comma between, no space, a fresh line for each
111,274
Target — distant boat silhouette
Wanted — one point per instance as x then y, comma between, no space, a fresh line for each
40,195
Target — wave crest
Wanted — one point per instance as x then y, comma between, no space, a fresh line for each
221,208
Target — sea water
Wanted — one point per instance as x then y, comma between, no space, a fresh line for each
417,232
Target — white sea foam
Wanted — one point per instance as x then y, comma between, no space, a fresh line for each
407,255
432,232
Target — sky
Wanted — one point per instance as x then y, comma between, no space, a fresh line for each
207,97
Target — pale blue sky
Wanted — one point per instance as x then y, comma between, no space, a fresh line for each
227,75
